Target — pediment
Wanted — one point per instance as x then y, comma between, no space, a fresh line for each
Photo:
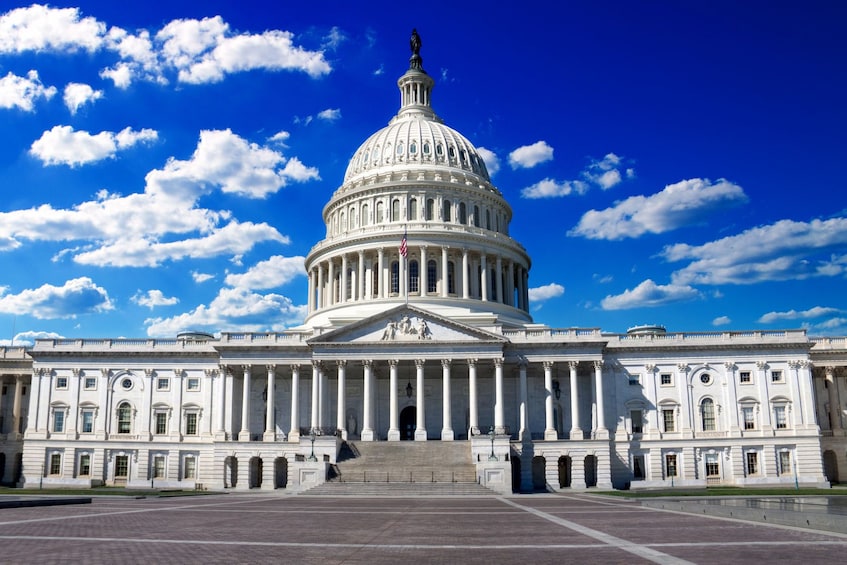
406,324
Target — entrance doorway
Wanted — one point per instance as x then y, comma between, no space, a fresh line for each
564,471
408,417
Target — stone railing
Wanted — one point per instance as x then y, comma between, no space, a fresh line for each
124,344
821,343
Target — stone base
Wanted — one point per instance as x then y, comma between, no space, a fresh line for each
269,436
551,435
393,435
447,435
367,435
294,436
420,435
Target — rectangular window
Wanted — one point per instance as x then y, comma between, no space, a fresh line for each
668,419
90,383
191,424
634,380
190,468
749,417
193,383
163,383
779,417
713,468
55,463
776,376
121,466
159,467
638,468
670,465
784,462
666,379
744,377
61,383
637,421
161,423
752,460
87,421
59,421
84,465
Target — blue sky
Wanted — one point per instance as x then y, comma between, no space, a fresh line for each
164,167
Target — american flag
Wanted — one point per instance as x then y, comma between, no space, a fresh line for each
404,251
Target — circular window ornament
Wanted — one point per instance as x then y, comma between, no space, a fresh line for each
706,378
126,384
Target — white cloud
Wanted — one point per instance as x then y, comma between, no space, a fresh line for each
721,321
76,297
41,28
545,292
528,156
678,205
602,279
605,173
21,92
120,75
549,188
602,173
201,277
330,114
280,138
272,273
64,146
153,298
649,294
816,312
78,94
27,339
492,162
784,250
334,38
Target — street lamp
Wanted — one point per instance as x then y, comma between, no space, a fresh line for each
312,439
491,435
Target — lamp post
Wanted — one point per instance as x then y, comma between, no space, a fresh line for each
491,435
312,439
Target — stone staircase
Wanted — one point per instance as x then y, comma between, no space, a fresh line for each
402,468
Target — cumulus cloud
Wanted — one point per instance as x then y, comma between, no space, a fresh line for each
528,156
76,297
678,205
41,28
649,294
784,250
201,277
64,146
22,92
153,298
271,273
545,292
602,173
606,172
721,321
549,188
27,339
811,313
330,114
492,162
77,95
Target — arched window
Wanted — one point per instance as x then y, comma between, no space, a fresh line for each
413,148
431,276
364,214
430,209
380,212
426,148
476,216
446,216
395,210
352,218
488,219
414,277
451,277
343,222
400,148
376,155
124,418
395,277
707,413
439,150
463,213
413,209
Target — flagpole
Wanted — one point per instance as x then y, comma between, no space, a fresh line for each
406,265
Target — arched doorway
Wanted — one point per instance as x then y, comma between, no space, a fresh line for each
539,480
2,466
230,472
255,472
564,471
516,474
280,472
19,467
408,418
830,466
591,470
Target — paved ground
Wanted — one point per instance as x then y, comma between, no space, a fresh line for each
255,528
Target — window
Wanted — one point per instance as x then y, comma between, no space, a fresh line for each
706,378
61,383
59,420
190,468
463,213
87,421
163,383
55,463
395,210
414,277
784,460
413,148
364,214
488,219
636,417
707,414
744,377
430,208
666,379
476,216
84,465
668,419
670,465
193,383
431,276
380,212
395,277
161,423
749,417
751,459
451,284
638,468
634,379
413,209
713,468
126,384
445,212
124,418
90,383
159,467
776,376
121,466
779,417
191,424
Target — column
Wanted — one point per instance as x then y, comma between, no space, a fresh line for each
342,292
270,425
684,397
498,276
732,401
220,433
446,412
832,393
294,432
319,300
765,397
380,274
393,420
499,427
576,432
549,426
361,279
445,276
16,408
244,434
310,300
483,282
315,395
473,409
524,432
341,411
465,276
420,409
330,283
796,395
510,288
807,386
322,397
601,432
367,416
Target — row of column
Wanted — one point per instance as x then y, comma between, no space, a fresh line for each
355,280
17,405
368,432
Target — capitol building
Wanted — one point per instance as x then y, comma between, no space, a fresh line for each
418,334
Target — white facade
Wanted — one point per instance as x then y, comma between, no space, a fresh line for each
432,343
